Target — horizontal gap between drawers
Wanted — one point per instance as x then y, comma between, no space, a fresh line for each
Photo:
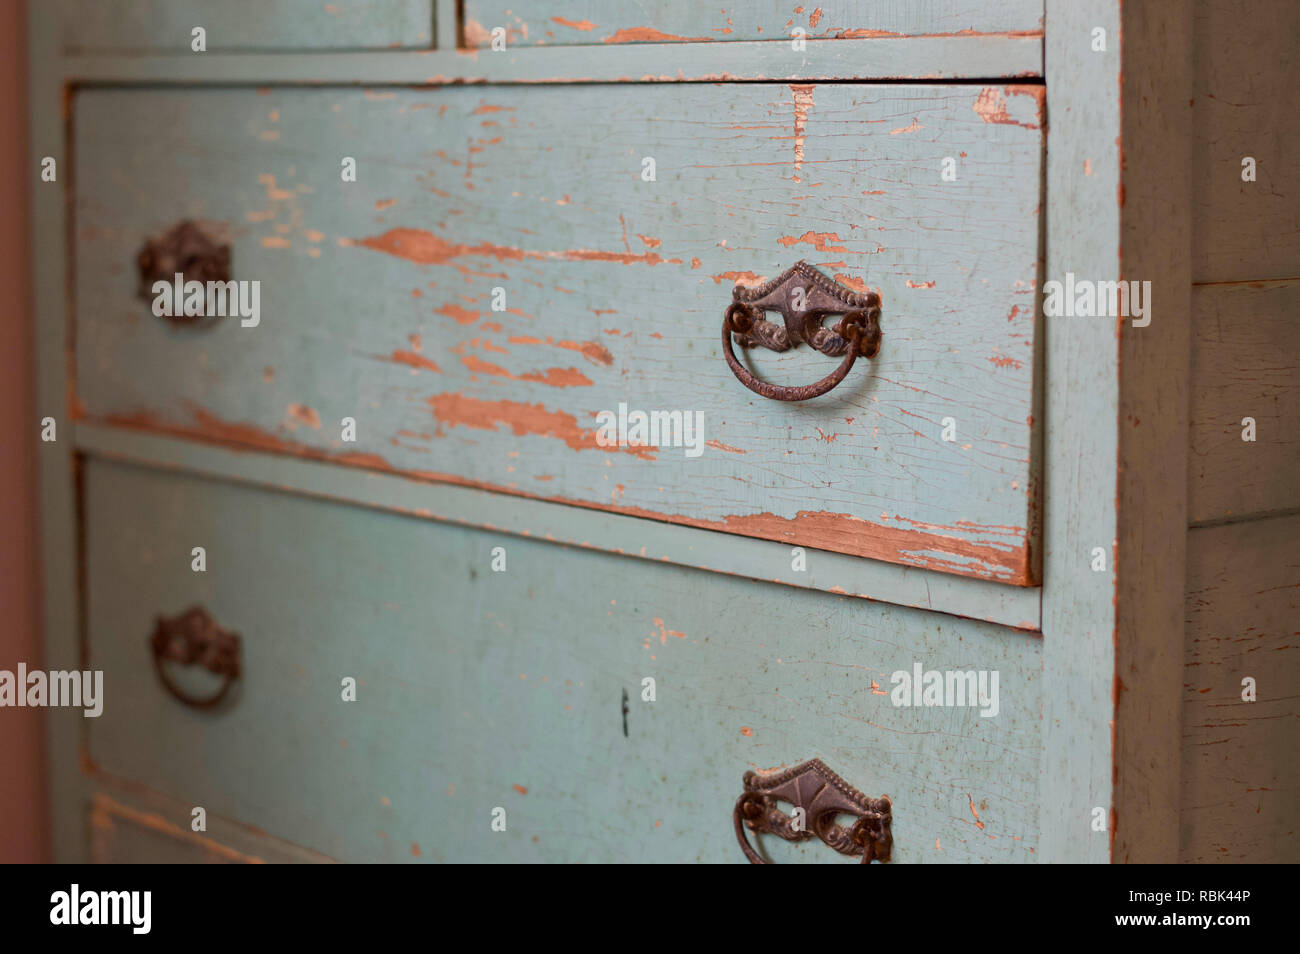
936,59
764,560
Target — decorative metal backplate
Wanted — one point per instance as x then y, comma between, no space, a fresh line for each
185,249
195,639
823,796
805,298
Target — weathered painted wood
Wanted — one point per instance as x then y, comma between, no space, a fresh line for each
125,26
570,22
1241,775
146,828
51,275
764,560
930,58
1081,371
1247,73
478,689
376,295
1245,364
1154,366
446,31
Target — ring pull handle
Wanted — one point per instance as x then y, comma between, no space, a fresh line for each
184,250
823,796
805,297
195,639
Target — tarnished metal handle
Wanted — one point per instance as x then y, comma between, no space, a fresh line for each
822,796
805,297
190,639
184,250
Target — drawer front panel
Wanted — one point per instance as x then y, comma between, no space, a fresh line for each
478,690
104,26
564,22
380,296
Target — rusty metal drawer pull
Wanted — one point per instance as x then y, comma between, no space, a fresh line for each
194,638
804,297
184,250
823,796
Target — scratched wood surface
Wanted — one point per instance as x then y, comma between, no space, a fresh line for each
376,294
1148,553
1081,444
1245,363
1241,775
479,689
571,22
1247,71
123,26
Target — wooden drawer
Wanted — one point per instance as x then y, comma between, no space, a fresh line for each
378,297
479,689
118,26
146,828
564,22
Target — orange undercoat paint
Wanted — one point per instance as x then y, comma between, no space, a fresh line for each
664,632
552,377
740,278
425,248
301,414
818,240
593,351
462,316
411,359
456,410
803,101
585,26
650,35
991,105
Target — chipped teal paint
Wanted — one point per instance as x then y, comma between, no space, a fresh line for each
929,57
565,22
471,683
847,177
165,25
765,560
1082,373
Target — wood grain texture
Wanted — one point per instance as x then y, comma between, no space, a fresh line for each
1240,775
1245,363
478,689
1081,370
764,560
376,295
1154,366
124,26
1247,71
582,22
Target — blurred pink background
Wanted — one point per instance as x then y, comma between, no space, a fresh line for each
24,823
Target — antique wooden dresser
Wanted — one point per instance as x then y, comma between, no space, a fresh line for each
640,430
